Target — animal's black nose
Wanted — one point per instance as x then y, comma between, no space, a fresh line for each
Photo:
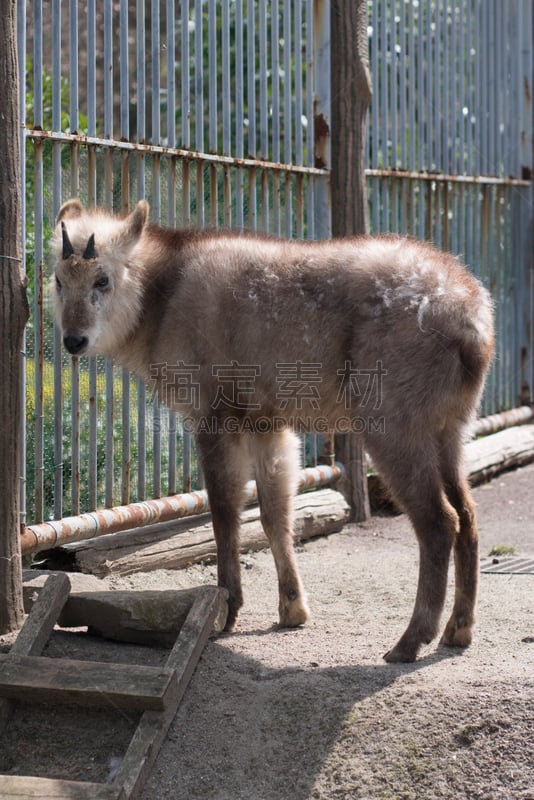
75,343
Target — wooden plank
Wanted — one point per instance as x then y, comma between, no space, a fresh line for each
37,627
39,624
22,787
87,683
153,727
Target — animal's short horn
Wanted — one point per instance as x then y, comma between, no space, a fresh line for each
90,251
68,249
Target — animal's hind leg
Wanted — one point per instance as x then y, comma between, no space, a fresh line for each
275,458
411,471
224,464
458,631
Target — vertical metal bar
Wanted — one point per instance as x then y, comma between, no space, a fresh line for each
156,200
186,459
374,133
185,67
411,94
403,68
74,174
92,455
321,30
171,75
126,444
186,193
123,71
108,200
108,101
394,64
264,194
226,98
75,436
56,191
212,73
288,117
156,443
110,401
454,81
251,79
171,140
199,109
429,99
438,123
297,28
239,112
252,221
140,47
263,70
37,266
124,126
199,79
92,182
171,477
275,82
422,162
276,113
156,72
310,186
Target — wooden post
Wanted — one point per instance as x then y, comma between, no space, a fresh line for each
351,95
13,316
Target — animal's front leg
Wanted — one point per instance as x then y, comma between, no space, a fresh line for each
276,464
224,465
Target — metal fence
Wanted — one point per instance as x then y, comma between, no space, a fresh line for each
452,100
208,109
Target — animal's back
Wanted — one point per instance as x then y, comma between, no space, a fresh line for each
265,302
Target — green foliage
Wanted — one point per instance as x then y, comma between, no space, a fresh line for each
46,420
502,550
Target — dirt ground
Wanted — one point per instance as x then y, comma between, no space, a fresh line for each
315,713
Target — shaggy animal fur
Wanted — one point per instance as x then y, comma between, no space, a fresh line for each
247,335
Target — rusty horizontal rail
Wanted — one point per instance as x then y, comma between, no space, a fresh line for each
51,534
170,152
498,422
440,177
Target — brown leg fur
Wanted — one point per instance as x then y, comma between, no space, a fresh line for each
224,464
275,458
412,473
458,631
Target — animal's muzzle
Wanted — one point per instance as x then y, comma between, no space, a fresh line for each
75,343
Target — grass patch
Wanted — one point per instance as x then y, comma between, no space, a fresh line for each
502,550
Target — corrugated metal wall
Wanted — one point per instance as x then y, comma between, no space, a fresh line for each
208,109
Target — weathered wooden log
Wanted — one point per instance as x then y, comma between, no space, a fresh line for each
146,617
491,455
190,541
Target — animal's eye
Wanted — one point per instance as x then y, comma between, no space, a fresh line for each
58,283
101,283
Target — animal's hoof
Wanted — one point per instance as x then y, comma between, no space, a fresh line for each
457,636
231,622
398,655
293,613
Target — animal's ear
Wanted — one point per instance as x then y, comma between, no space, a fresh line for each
69,210
134,224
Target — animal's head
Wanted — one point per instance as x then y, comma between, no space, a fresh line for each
96,287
